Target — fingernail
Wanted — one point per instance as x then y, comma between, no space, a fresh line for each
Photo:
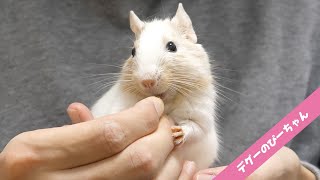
158,104
74,115
205,177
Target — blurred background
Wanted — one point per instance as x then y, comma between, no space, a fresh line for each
266,55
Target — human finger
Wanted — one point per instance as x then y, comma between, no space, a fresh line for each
78,112
140,160
188,170
208,174
87,142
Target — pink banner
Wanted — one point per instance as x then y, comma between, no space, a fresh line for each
291,125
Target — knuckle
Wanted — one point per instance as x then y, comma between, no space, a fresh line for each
114,137
144,162
293,161
18,158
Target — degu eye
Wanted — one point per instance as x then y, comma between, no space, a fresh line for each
171,46
133,52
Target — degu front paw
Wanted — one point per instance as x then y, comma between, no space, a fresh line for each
178,135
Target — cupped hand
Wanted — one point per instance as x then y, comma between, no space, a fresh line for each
284,165
132,144
80,113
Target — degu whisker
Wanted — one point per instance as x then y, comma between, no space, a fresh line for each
108,81
220,92
220,85
219,68
111,65
111,83
100,81
223,78
103,76
103,87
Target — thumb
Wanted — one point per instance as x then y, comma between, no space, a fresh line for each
79,113
150,104
208,174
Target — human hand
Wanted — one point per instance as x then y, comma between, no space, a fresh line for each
283,165
132,144
80,113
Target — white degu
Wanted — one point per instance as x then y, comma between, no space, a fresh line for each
167,62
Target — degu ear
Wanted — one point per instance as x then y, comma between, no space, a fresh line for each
183,22
136,24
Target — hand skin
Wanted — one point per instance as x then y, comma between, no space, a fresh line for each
80,113
132,144
284,165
